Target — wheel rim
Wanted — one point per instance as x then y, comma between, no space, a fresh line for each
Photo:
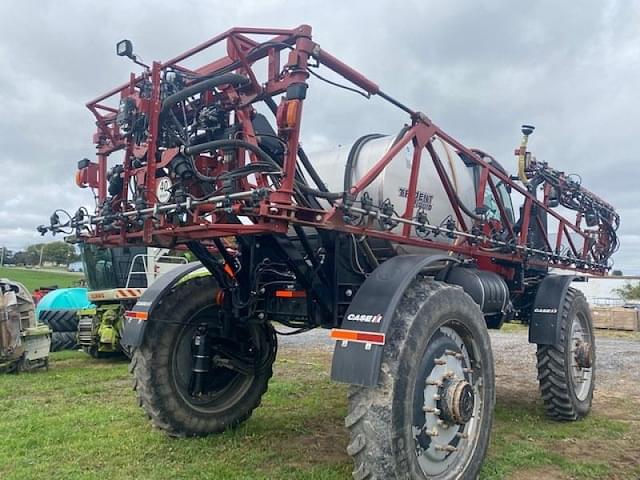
448,403
225,386
581,352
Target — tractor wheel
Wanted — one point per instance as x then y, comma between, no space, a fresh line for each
60,320
566,371
63,341
430,415
162,365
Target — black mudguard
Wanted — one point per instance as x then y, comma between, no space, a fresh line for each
133,331
372,310
544,326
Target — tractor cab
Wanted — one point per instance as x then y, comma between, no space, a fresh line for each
109,268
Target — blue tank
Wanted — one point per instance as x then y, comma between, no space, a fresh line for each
64,299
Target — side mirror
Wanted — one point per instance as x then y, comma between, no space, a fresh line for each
124,48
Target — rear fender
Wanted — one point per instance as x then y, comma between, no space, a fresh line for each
544,325
371,311
140,315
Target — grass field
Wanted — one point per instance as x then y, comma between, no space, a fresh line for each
80,420
32,278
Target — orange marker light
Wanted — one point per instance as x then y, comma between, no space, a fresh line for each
291,293
142,316
292,112
80,182
356,336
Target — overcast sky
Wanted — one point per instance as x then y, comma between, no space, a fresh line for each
479,69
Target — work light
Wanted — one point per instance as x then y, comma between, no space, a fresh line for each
124,48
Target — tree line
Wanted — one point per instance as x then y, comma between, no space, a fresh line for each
59,253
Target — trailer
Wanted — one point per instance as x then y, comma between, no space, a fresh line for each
406,247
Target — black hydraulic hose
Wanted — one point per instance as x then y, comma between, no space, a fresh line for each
321,194
351,158
226,143
438,163
357,147
224,79
306,163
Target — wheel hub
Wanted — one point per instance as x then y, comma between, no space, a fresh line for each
457,402
583,354
447,423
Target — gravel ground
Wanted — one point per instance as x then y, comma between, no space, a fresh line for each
616,365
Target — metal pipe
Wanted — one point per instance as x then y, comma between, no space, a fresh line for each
90,220
481,238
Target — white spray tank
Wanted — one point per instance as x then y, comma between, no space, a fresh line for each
393,182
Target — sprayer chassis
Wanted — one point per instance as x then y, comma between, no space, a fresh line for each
407,326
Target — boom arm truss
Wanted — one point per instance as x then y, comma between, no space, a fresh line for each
195,125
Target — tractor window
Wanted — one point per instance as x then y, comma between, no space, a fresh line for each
492,205
98,268
505,196
107,268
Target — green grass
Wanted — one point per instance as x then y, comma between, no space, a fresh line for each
80,420
524,439
32,278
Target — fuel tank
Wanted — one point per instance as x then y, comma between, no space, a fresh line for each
347,164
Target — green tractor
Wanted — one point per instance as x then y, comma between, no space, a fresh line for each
116,277
24,343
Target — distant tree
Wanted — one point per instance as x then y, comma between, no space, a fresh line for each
616,273
60,253
629,291
33,254
20,258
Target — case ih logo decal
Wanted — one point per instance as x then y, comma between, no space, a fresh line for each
545,310
364,318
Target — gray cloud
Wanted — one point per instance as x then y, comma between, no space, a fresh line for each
478,69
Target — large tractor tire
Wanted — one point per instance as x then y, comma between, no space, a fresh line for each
63,341
567,370
60,320
430,415
162,365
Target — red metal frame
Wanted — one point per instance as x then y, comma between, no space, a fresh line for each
279,209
